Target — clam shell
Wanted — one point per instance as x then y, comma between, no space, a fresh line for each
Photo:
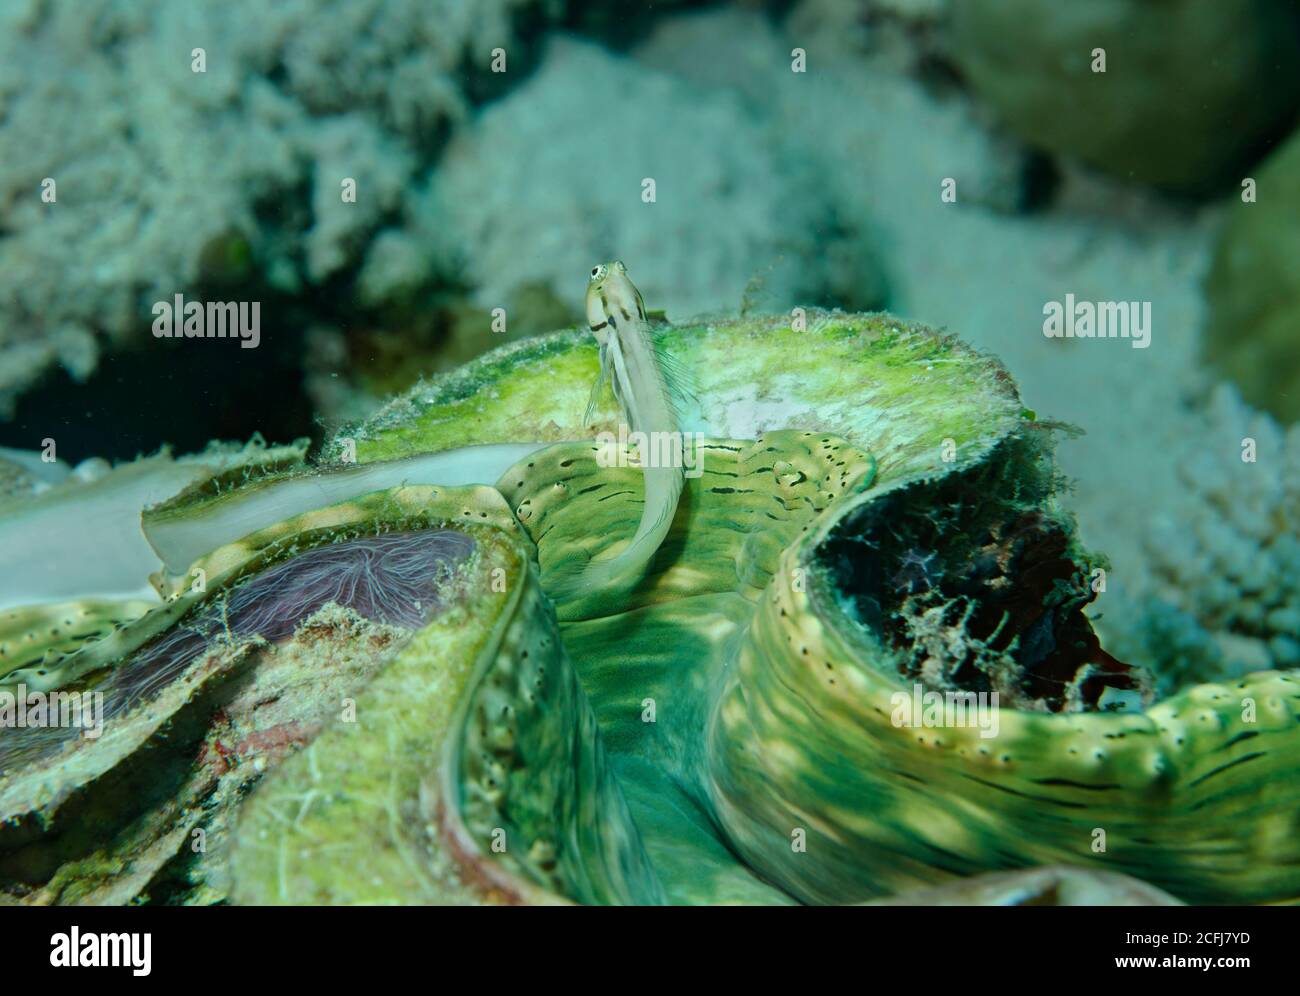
727,730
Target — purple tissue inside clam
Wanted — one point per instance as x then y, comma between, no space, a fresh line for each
396,578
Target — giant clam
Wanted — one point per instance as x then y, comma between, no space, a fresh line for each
355,688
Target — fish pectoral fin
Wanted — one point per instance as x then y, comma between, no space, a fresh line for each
596,388
679,379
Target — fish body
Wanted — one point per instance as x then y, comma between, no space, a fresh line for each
629,360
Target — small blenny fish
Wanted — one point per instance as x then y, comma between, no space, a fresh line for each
644,386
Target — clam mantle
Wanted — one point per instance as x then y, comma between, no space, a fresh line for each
876,511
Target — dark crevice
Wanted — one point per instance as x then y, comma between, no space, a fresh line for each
182,392
975,583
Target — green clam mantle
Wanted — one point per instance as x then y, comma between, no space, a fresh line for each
876,516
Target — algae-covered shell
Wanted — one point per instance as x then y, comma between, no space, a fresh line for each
870,517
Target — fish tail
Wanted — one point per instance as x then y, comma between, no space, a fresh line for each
586,577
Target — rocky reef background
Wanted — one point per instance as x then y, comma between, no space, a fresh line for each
480,190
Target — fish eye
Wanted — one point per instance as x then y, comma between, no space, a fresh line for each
618,265
597,272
